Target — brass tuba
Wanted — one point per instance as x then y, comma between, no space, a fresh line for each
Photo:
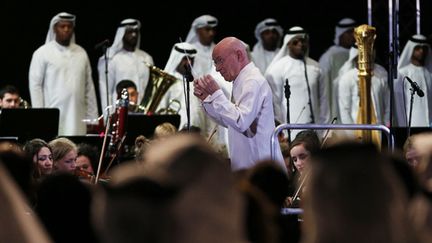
159,83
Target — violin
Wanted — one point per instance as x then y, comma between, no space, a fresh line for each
84,175
90,177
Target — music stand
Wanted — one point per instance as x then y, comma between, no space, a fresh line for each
140,124
30,123
95,140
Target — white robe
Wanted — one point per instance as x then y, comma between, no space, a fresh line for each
203,59
349,96
248,116
60,77
177,92
198,117
294,70
331,62
262,58
422,106
124,65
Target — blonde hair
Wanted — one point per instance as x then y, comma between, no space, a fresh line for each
60,147
164,130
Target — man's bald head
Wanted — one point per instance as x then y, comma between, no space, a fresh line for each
231,44
230,56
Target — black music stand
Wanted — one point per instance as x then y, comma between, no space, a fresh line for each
30,123
140,124
95,140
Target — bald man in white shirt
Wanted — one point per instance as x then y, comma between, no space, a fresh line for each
248,115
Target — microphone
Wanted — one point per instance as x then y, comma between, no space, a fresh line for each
105,43
415,87
287,89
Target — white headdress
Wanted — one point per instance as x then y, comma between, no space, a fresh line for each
202,21
405,57
59,17
179,51
342,26
292,32
121,30
267,24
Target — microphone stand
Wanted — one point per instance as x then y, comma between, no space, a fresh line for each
187,102
287,96
188,77
410,111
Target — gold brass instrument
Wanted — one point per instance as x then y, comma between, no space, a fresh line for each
173,108
24,104
365,38
159,83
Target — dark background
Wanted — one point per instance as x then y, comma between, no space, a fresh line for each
24,25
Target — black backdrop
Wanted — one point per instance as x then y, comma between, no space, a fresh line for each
24,25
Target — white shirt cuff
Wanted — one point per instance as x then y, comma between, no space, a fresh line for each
213,96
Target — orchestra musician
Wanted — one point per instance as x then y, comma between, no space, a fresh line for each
9,97
305,143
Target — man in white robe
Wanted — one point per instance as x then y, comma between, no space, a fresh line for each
182,54
125,61
248,115
415,63
333,59
349,94
201,35
308,99
60,77
269,35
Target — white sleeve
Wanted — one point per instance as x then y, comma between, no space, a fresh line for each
150,60
210,110
274,79
345,100
324,63
386,101
241,115
90,94
36,79
102,83
399,102
324,102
